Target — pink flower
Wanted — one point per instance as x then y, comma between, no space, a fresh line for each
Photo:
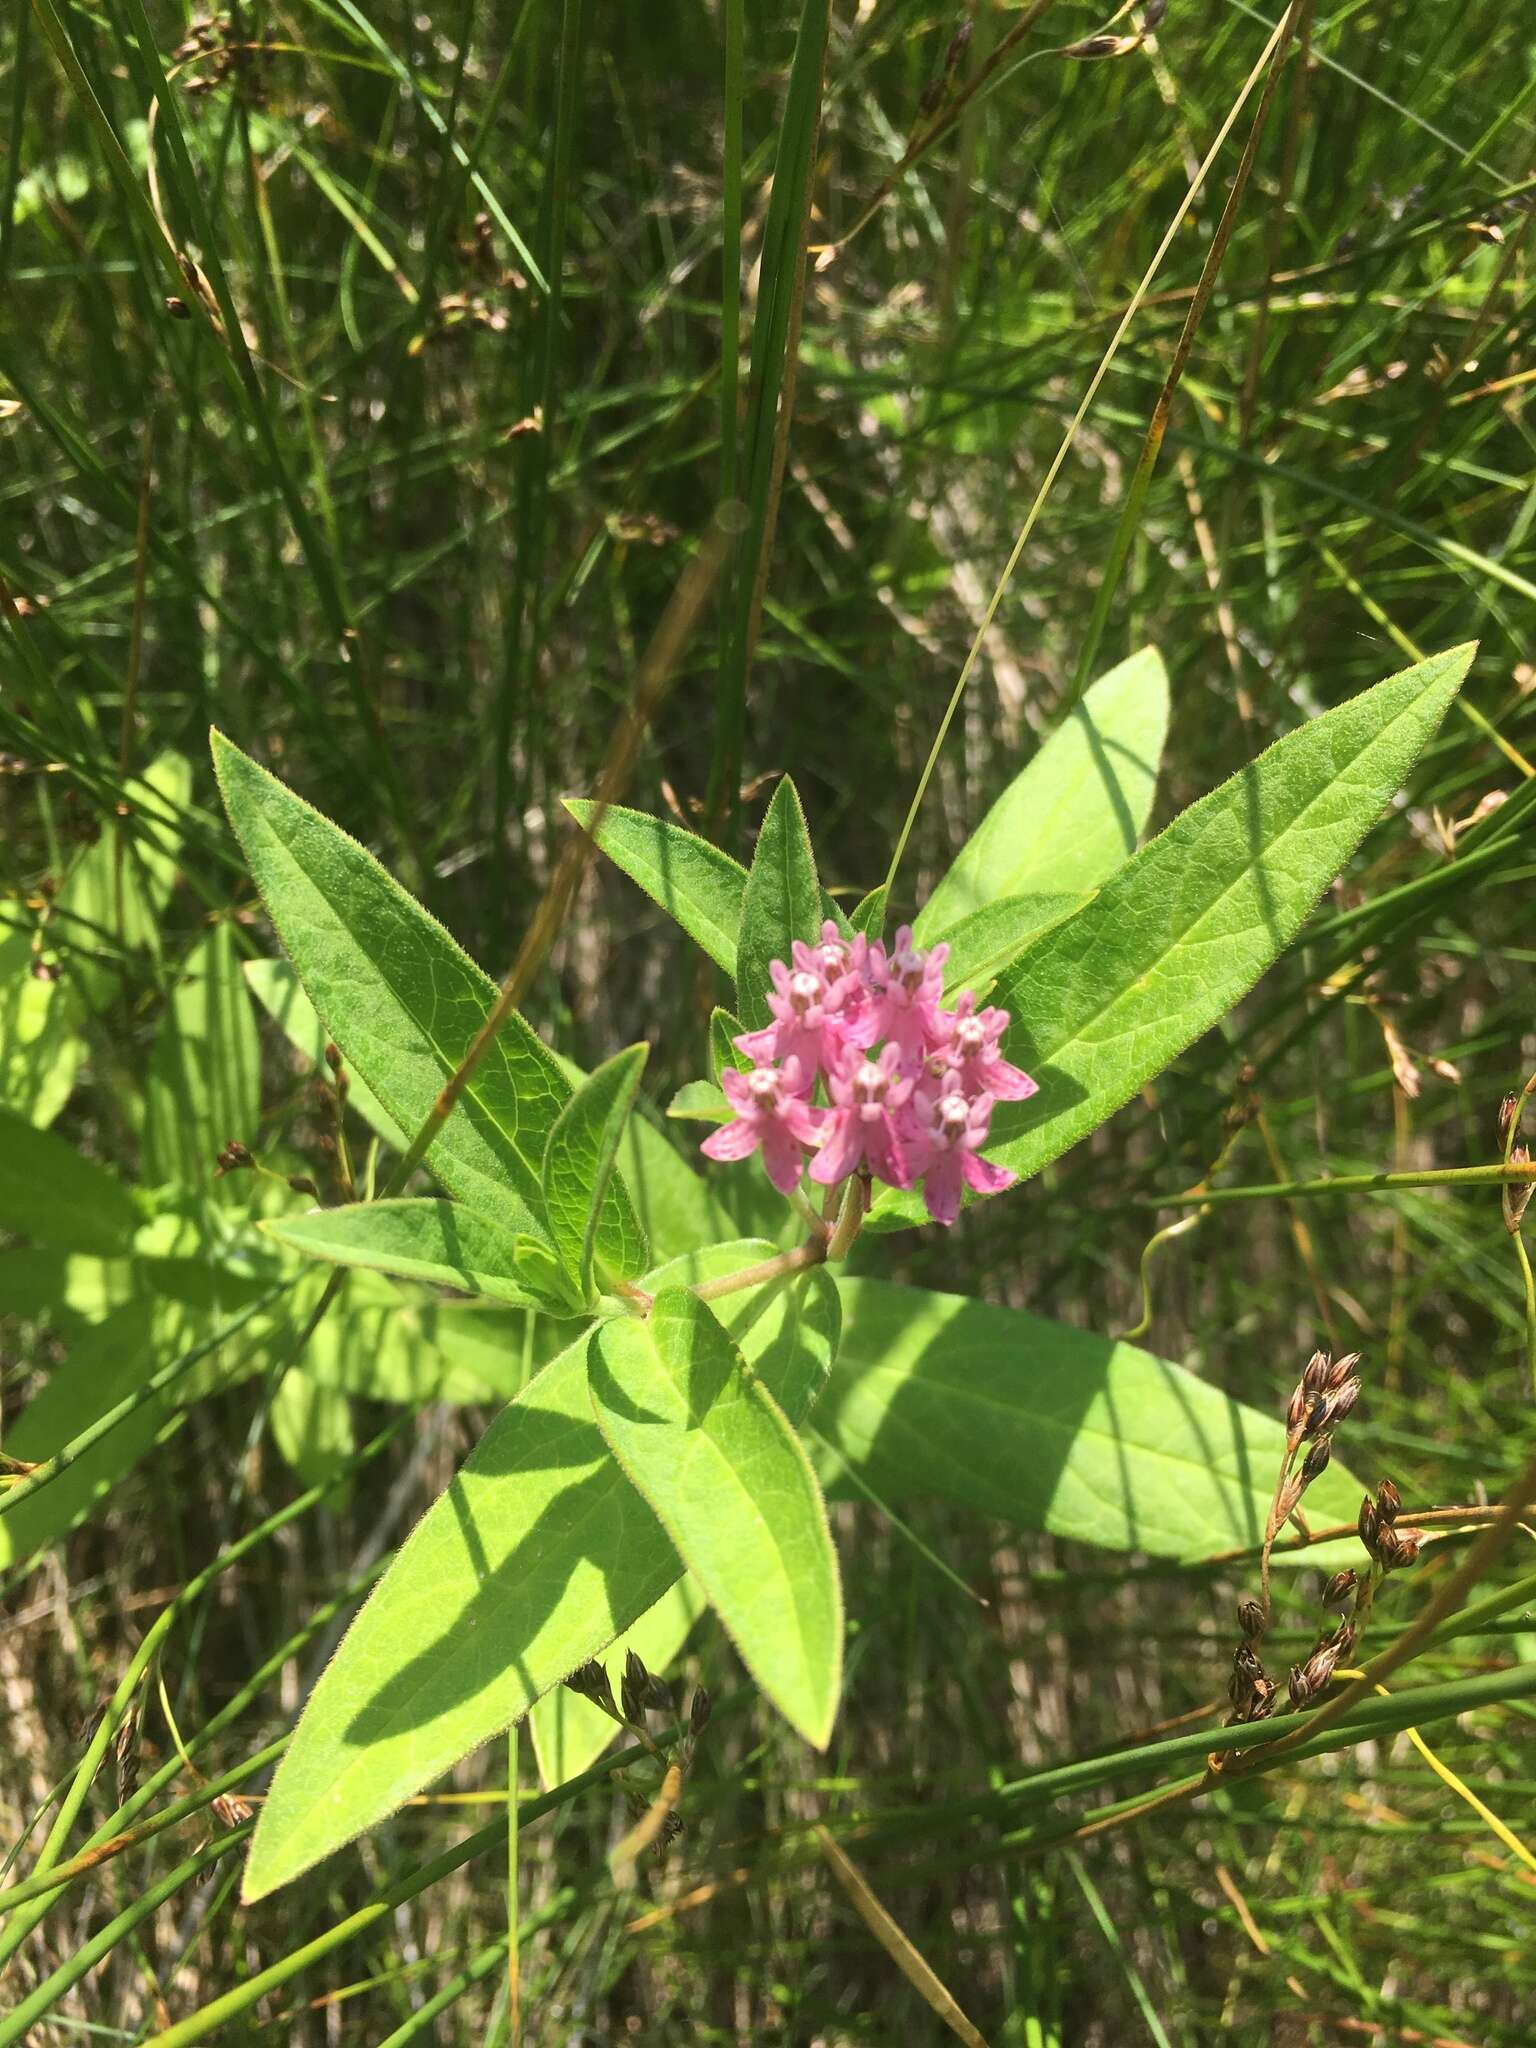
819,1009
906,986
971,1045
862,1126
949,1129
770,1112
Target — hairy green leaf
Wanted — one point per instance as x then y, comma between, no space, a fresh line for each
400,998
447,1244
700,1102
1070,818
1051,1428
579,1158
1103,1001
782,902
533,1560
693,881
711,1450
983,944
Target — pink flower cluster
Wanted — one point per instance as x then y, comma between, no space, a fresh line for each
916,1110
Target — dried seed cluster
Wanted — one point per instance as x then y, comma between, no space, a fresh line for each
642,1692
1325,1394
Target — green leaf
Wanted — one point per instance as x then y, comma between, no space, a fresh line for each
40,1048
676,1209
693,881
701,1102
1051,1428
446,1244
384,1345
1071,817
579,1157
1105,1000
869,913
533,1560
982,945
398,996
696,883
203,1084
49,1194
711,1450
544,1275
724,1030
782,902
280,993
568,1732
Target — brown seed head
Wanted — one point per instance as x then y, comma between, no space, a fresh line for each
1296,1413
1315,1464
1369,1524
1340,1404
698,1712
1339,1587
634,1690
1250,1618
1507,1110
1388,1501
591,1682
1341,1369
1318,1369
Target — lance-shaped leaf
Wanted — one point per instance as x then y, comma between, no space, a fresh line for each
1073,815
704,1442
535,1557
693,881
447,1244
1051,1428
1103,1001
983,944
579,1157
400,998
783,902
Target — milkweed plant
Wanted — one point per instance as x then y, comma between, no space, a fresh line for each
692,1360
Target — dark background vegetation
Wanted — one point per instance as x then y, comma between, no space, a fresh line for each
429,621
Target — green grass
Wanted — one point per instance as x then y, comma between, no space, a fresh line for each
418,489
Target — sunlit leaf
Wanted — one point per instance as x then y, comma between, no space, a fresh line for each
706,1444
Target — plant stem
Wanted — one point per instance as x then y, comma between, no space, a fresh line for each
1351,1184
